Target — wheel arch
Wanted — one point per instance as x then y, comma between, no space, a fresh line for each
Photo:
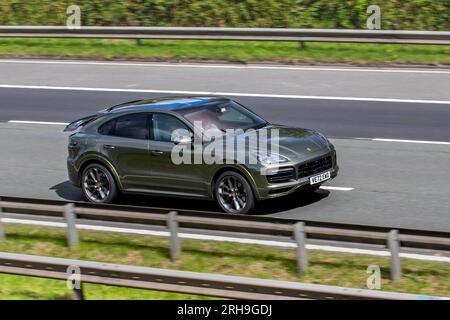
238,169
103,162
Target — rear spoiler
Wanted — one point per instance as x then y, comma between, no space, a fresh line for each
80,123
83,121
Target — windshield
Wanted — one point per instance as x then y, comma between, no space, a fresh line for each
225,116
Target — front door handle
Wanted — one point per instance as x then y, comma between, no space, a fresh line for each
109,146
156,152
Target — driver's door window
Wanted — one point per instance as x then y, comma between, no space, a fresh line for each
165,127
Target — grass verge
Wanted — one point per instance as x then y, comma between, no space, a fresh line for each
234,51
203,256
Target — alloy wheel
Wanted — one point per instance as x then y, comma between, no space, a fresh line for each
96,184
232,194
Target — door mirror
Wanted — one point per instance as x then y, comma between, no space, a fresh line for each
182,139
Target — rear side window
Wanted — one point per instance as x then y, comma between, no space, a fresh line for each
133,126
107,128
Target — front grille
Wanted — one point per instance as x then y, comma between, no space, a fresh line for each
283,175
314,167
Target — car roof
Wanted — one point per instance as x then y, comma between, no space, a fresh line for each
177,103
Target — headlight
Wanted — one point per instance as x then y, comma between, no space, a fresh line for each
272,158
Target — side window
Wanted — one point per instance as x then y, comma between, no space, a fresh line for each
133,126
164,126
107,128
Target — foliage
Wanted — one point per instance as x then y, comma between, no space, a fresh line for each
396,14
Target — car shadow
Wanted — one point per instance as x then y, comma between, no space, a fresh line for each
68,192
293,201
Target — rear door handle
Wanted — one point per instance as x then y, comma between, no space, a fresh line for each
109,146
156,152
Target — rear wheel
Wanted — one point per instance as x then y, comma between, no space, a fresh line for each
98,184
233,193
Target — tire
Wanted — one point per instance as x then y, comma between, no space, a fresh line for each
233,193
98,184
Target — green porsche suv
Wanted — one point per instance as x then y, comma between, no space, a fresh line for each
195,147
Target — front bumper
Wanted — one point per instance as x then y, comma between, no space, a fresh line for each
268,190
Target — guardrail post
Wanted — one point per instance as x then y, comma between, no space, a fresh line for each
2,229
78,293
394,247
302,254
302,45
175,246
72,233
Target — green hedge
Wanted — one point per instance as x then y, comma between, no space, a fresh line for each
396,14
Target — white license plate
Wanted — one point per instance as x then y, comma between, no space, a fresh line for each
320,178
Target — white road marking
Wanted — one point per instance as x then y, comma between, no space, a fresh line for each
336,188
218,93
382,253
412,141
226,66
38,122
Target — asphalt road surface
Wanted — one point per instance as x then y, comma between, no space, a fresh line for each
395,184
349,119
419,84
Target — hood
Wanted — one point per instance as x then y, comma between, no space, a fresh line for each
299,142
293,143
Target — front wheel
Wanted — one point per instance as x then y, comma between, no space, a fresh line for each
233,193
98,184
